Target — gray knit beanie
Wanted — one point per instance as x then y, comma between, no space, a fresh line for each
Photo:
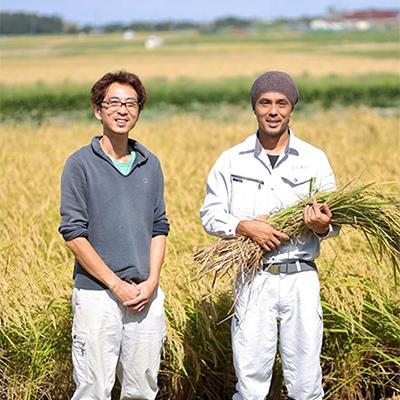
274,81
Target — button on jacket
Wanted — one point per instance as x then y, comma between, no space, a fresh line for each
243,185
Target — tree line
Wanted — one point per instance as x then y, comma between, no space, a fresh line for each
25,23
30,23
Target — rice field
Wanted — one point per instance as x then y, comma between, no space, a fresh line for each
35,267
361,303
81,59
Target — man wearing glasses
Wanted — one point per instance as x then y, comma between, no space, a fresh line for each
114,222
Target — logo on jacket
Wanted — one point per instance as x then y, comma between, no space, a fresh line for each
145,179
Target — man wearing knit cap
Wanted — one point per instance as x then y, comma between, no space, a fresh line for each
269,171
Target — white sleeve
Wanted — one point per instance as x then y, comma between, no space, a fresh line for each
214,213
325,181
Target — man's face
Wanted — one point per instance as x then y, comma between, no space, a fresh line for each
119,111
273,111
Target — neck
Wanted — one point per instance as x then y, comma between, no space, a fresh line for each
115,146
274,145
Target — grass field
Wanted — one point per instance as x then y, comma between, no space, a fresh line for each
361,357
54,59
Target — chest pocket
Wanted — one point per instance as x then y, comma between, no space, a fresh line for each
245,191
297,186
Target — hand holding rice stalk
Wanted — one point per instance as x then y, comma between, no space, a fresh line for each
375,214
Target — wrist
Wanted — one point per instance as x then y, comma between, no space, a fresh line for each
113,283
322,233
153,281
242,228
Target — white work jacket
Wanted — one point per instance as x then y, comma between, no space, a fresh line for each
243,185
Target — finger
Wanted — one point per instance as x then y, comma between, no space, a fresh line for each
325,210
305,214
128,303
271,245
308,213
316,207
133,310
281,236
309,216
265,247
275,240
135,301
139,307
314,201
314,204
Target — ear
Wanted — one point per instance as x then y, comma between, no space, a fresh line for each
97,111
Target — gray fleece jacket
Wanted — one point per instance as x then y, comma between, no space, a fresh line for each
118,214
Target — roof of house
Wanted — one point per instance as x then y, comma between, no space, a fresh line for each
372,14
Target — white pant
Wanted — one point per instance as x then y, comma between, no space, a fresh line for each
107,339
294,301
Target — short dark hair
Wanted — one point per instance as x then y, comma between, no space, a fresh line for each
99,89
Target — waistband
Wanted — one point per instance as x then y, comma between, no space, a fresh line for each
289,267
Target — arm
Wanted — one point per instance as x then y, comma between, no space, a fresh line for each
261,233
147,288
95,266
157,251
74,229
214,213
217,219
317,217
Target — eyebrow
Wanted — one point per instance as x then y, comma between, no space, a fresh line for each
277,100
119,98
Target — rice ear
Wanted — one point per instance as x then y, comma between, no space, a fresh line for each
362,207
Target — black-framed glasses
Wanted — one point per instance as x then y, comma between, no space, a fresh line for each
115,104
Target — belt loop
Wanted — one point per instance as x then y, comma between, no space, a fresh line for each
298,266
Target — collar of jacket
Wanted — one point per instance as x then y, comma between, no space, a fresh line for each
253,145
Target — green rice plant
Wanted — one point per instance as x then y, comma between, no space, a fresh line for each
375,214
39,100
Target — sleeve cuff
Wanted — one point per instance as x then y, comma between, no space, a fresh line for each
328,234
231,228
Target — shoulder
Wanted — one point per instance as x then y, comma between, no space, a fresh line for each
152,160
79,156
306,149
247,146
144,150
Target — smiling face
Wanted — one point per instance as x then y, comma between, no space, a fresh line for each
119,119
273,111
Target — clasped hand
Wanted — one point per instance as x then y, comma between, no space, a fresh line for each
133,296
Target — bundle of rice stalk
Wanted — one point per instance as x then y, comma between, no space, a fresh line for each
375,213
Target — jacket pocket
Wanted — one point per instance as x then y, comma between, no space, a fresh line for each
298,185
244,193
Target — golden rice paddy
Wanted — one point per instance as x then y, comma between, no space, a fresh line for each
36,268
